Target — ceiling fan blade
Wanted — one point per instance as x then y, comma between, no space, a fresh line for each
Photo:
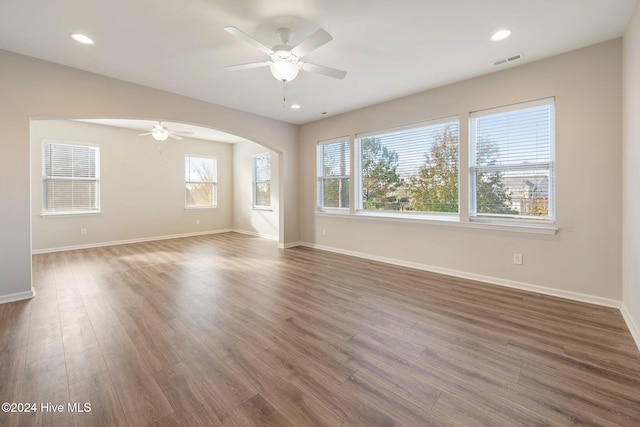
143,134
248,39
312,42
174,136
247,66
327,71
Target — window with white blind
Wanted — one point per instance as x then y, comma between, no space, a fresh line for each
334,173
200,182
511,161
70,178
409,170
262,180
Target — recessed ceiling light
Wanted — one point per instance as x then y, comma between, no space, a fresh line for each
81,38
295,106
500,35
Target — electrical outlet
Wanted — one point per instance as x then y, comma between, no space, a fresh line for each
324,231
83,231
517,259
197,222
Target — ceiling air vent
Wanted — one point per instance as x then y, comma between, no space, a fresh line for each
508,59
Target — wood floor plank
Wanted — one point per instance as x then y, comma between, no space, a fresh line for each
148,338
257,412
429,376
623,410
84,363
350,407
459,411
77,331
301,409
301,340
189,397
137,388
12,378
46,392
104,408
227,389
227,329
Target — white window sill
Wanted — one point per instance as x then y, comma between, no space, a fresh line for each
69,214
334,211
200,208
262,208
448,220
431,217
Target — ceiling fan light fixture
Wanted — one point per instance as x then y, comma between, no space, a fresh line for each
284,71
160,133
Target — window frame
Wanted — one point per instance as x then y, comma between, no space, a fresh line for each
420,215
322,177
47,178
214,183
256,181
513,218
464,217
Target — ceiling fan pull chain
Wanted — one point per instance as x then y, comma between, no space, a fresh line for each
284,94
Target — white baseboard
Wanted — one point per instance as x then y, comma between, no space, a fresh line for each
124,242
19,296
256,234
634,327
477,277
291,245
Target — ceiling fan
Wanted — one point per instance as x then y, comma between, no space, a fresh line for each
159,132
285,61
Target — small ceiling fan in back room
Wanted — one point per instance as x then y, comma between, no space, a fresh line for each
286,61
159,132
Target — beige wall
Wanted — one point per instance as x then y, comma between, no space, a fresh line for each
583,260
34,89
141,188
631,180
261,222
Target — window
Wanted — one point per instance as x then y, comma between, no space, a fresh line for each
70,178
334,171
262,180
511,165
200,178
411,169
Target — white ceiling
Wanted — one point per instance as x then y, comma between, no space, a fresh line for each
389,48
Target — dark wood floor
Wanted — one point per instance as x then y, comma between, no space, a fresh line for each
229,330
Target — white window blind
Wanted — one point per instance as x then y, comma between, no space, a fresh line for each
334,171
71,178
512,154
410,169
262,180
200,179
